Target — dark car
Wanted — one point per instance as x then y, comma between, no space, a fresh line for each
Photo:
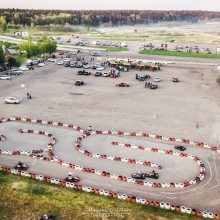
180,147
142,77
79,65
122,68
72,65
152,174
122,85
67,64
79,83
83,72
98,74
21,166
72,179
139,175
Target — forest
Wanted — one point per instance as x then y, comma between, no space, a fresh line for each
94,18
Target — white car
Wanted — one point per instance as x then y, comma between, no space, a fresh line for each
66,60
157,79
35,62
100,68
4,77
23,68
86,66
60,63
51,60
41,64
12,100
106,74
16,72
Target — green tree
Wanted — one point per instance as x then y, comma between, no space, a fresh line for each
2,57
3,24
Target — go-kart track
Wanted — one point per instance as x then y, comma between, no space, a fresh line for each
188,181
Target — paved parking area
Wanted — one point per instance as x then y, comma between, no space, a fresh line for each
187,109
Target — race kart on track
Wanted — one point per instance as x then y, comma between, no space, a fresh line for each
139,175
21,166
2,138
72,179
180,147
152,174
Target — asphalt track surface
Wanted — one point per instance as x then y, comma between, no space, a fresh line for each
52,79
202,196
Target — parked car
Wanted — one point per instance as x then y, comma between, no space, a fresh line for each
23,68
86,66
122,85
157,79
100,68
12,100
41,64
122,68
66,60
72,65
35,62
153,86
52,60
79,65
5,77
67,64
79,83
15,72
98,73
106,74
83,72
95,53
60,63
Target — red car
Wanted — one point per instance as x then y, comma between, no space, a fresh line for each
122,85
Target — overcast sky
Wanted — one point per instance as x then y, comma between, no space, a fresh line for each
213,5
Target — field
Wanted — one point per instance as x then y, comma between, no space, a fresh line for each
32,199
179,54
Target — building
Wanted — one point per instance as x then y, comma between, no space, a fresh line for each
7,53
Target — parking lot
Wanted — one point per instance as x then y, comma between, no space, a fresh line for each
187,109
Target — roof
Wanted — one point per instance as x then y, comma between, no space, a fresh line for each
6,51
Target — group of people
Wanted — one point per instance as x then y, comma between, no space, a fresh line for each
29,95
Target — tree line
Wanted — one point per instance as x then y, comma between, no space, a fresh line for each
41,47
95,18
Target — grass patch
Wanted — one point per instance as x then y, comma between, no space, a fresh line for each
19,60
179,54
113,49
36,198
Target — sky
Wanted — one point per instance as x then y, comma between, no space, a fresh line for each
209,5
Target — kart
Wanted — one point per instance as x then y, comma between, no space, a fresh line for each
122,85
152,174
72,179
21,166
2,138
142,176
180,147
139,175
